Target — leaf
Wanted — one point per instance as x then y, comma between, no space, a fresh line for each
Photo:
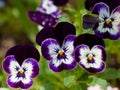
68,81
110,74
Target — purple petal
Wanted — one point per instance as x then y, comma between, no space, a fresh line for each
21,52
45,33
111,3
50,48
68,44
81,48
33,67
101,9
103,52
49,8
63,29
89,21
62,66
70,66
42,19
19,84
89,40
94,70
60,2
58,68
113,34
7,62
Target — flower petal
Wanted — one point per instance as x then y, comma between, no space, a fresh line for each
63,29
21,52
99,56
56,65
102,10
50,48
113,33
45,33
60,2
116,14
88,39
111,3
10,65
48,7
32,67
94,70
89,21
14,82
68,44
42,19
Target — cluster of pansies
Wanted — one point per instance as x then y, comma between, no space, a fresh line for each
60,45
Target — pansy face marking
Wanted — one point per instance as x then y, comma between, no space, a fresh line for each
20,76
61,57
92,59
109,25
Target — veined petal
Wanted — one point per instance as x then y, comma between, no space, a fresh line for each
102,10
14,82
81,51
99,52
68,44
43,19
115,15
50,48
56,65
96,63
31,68
10,65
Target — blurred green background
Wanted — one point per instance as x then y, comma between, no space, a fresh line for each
17,28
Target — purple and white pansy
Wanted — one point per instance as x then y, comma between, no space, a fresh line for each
109,25
21,63
58,46
46,15
90,55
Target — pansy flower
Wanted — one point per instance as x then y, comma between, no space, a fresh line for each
46,15
108,26
90,53
57,46
21,63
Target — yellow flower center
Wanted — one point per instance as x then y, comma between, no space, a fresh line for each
21,72
108,22
61,53
90,57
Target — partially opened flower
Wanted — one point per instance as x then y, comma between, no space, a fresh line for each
46,15
95,87
57,47
21,63
90,53
112,88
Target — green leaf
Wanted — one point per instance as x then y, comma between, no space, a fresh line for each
68,81
93,80
110,74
